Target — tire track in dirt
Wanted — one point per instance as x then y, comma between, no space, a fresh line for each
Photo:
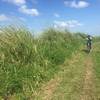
88,92
48,89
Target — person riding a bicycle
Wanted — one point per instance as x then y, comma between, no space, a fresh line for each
89,42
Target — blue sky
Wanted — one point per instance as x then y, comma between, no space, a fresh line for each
75,15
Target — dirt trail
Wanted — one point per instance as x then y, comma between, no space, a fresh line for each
52,85
75,81
88,92
48,89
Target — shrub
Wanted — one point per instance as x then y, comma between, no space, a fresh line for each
26,62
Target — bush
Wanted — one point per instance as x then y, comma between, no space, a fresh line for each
26,62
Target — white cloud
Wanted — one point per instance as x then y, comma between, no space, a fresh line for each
74,4
25,10
56,15
67,24
22,7
3,17
16,2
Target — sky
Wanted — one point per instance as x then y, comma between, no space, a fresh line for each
37,15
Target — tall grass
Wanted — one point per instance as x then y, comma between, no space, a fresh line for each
26,62
96,60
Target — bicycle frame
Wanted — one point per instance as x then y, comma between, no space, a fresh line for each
89,47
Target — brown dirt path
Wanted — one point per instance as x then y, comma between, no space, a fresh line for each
52,85
48,89
88,92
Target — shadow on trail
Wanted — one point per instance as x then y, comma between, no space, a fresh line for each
86,51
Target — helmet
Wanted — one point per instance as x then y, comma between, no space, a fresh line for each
88,35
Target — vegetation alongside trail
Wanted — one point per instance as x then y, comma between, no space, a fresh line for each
96,60
27,62
53,65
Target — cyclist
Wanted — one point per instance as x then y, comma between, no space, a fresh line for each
89,42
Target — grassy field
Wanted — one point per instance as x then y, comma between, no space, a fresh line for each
27,62
79,78
96,60
53,66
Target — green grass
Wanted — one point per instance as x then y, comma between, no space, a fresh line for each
27,62
71,85
96,59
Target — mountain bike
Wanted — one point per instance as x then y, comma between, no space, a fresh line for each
89,47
